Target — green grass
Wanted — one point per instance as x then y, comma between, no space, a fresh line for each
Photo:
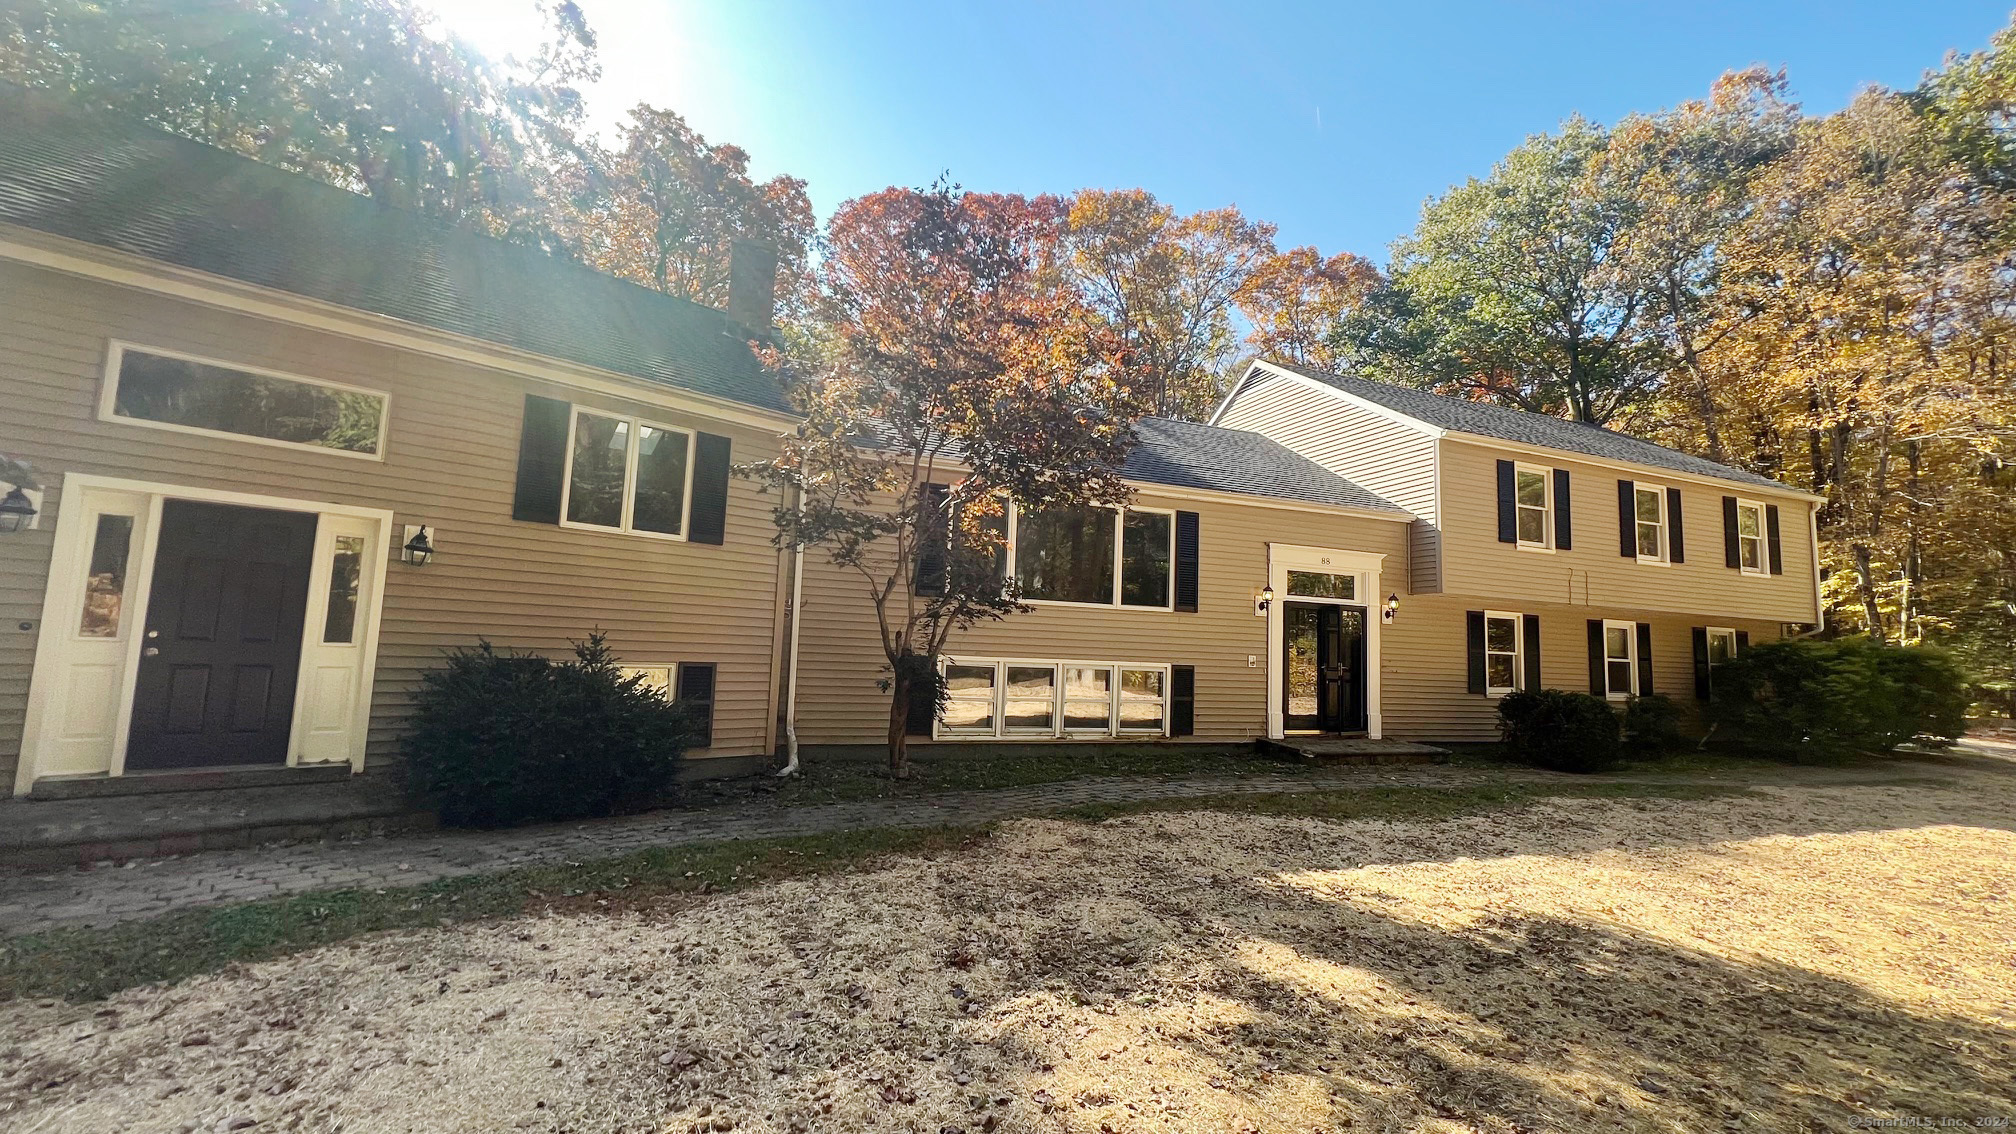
846,779
92,963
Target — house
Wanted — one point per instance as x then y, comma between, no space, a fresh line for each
292,445
1546,553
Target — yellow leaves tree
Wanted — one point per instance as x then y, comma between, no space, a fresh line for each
1295,299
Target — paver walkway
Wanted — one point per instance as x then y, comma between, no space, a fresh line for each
41,899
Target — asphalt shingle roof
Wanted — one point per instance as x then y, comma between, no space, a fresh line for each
1505,424
1184,454
127,186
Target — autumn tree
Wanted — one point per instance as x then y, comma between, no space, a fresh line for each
1167,283
1294,300
358,93
665,207
952,373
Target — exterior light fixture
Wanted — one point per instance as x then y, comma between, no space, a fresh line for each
17,511
419,549
1265,600
1392,607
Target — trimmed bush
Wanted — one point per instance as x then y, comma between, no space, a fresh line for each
1830,698
1652,726
1567,732
500,737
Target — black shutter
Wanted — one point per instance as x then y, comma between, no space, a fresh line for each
928,578
1182,700
1701,662
1532,647
710,489
1674,530
542,460
1186,561
1771,532
1599,679
696,693
1732,539
1644,659
1475,621
1742,642
1564,527
1627,519
923,710
1508,504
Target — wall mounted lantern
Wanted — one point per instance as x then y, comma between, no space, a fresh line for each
1392,608
418,549
1265,600
17,510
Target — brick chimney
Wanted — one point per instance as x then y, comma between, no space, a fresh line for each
752,285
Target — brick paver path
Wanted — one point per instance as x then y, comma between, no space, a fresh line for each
41,899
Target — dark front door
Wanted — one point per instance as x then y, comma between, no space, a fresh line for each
1323,663
223,637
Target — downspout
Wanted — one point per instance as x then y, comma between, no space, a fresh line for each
790,767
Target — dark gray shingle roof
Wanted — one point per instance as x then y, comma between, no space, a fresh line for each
129,187
1504,424
1184,454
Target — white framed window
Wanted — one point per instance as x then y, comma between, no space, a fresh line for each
1652,523
1721,646
1620,659
657,678
1750,538
164,389
626,474
1029,698
1533,493
1504,652
1094,556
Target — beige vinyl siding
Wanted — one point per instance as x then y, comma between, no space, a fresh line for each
1390,458
1426,652
450,461
1594,573
839,702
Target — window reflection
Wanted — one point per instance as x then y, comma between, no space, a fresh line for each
105,586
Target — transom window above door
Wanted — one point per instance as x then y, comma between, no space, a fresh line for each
1094,556
192,395
1322,584
626,474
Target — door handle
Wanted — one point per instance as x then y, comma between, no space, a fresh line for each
153,633
151,652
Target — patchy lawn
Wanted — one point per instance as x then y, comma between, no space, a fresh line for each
1789,959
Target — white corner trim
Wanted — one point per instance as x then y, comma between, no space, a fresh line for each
105,265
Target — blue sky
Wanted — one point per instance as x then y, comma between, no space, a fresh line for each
1335,121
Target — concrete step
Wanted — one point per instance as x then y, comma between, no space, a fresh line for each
203,779
1350,750
42,832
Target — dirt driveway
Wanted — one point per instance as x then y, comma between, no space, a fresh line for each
1796,959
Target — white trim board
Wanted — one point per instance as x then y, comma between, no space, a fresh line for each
51,685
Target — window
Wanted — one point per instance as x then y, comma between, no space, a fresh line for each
175,392
1721,646
1070,555
1533,493
1053,699
346,574
1651,523
1317,584
1750,537
105,586
1620,658
1504,653
627,475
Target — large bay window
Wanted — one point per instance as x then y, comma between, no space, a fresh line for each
627,475
1095,556
1003,698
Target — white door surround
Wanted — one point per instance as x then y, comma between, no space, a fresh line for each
1365,568
80,698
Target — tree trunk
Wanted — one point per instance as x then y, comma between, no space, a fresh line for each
899,724
1865,585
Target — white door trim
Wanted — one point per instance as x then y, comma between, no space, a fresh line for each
1366,566
63,599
